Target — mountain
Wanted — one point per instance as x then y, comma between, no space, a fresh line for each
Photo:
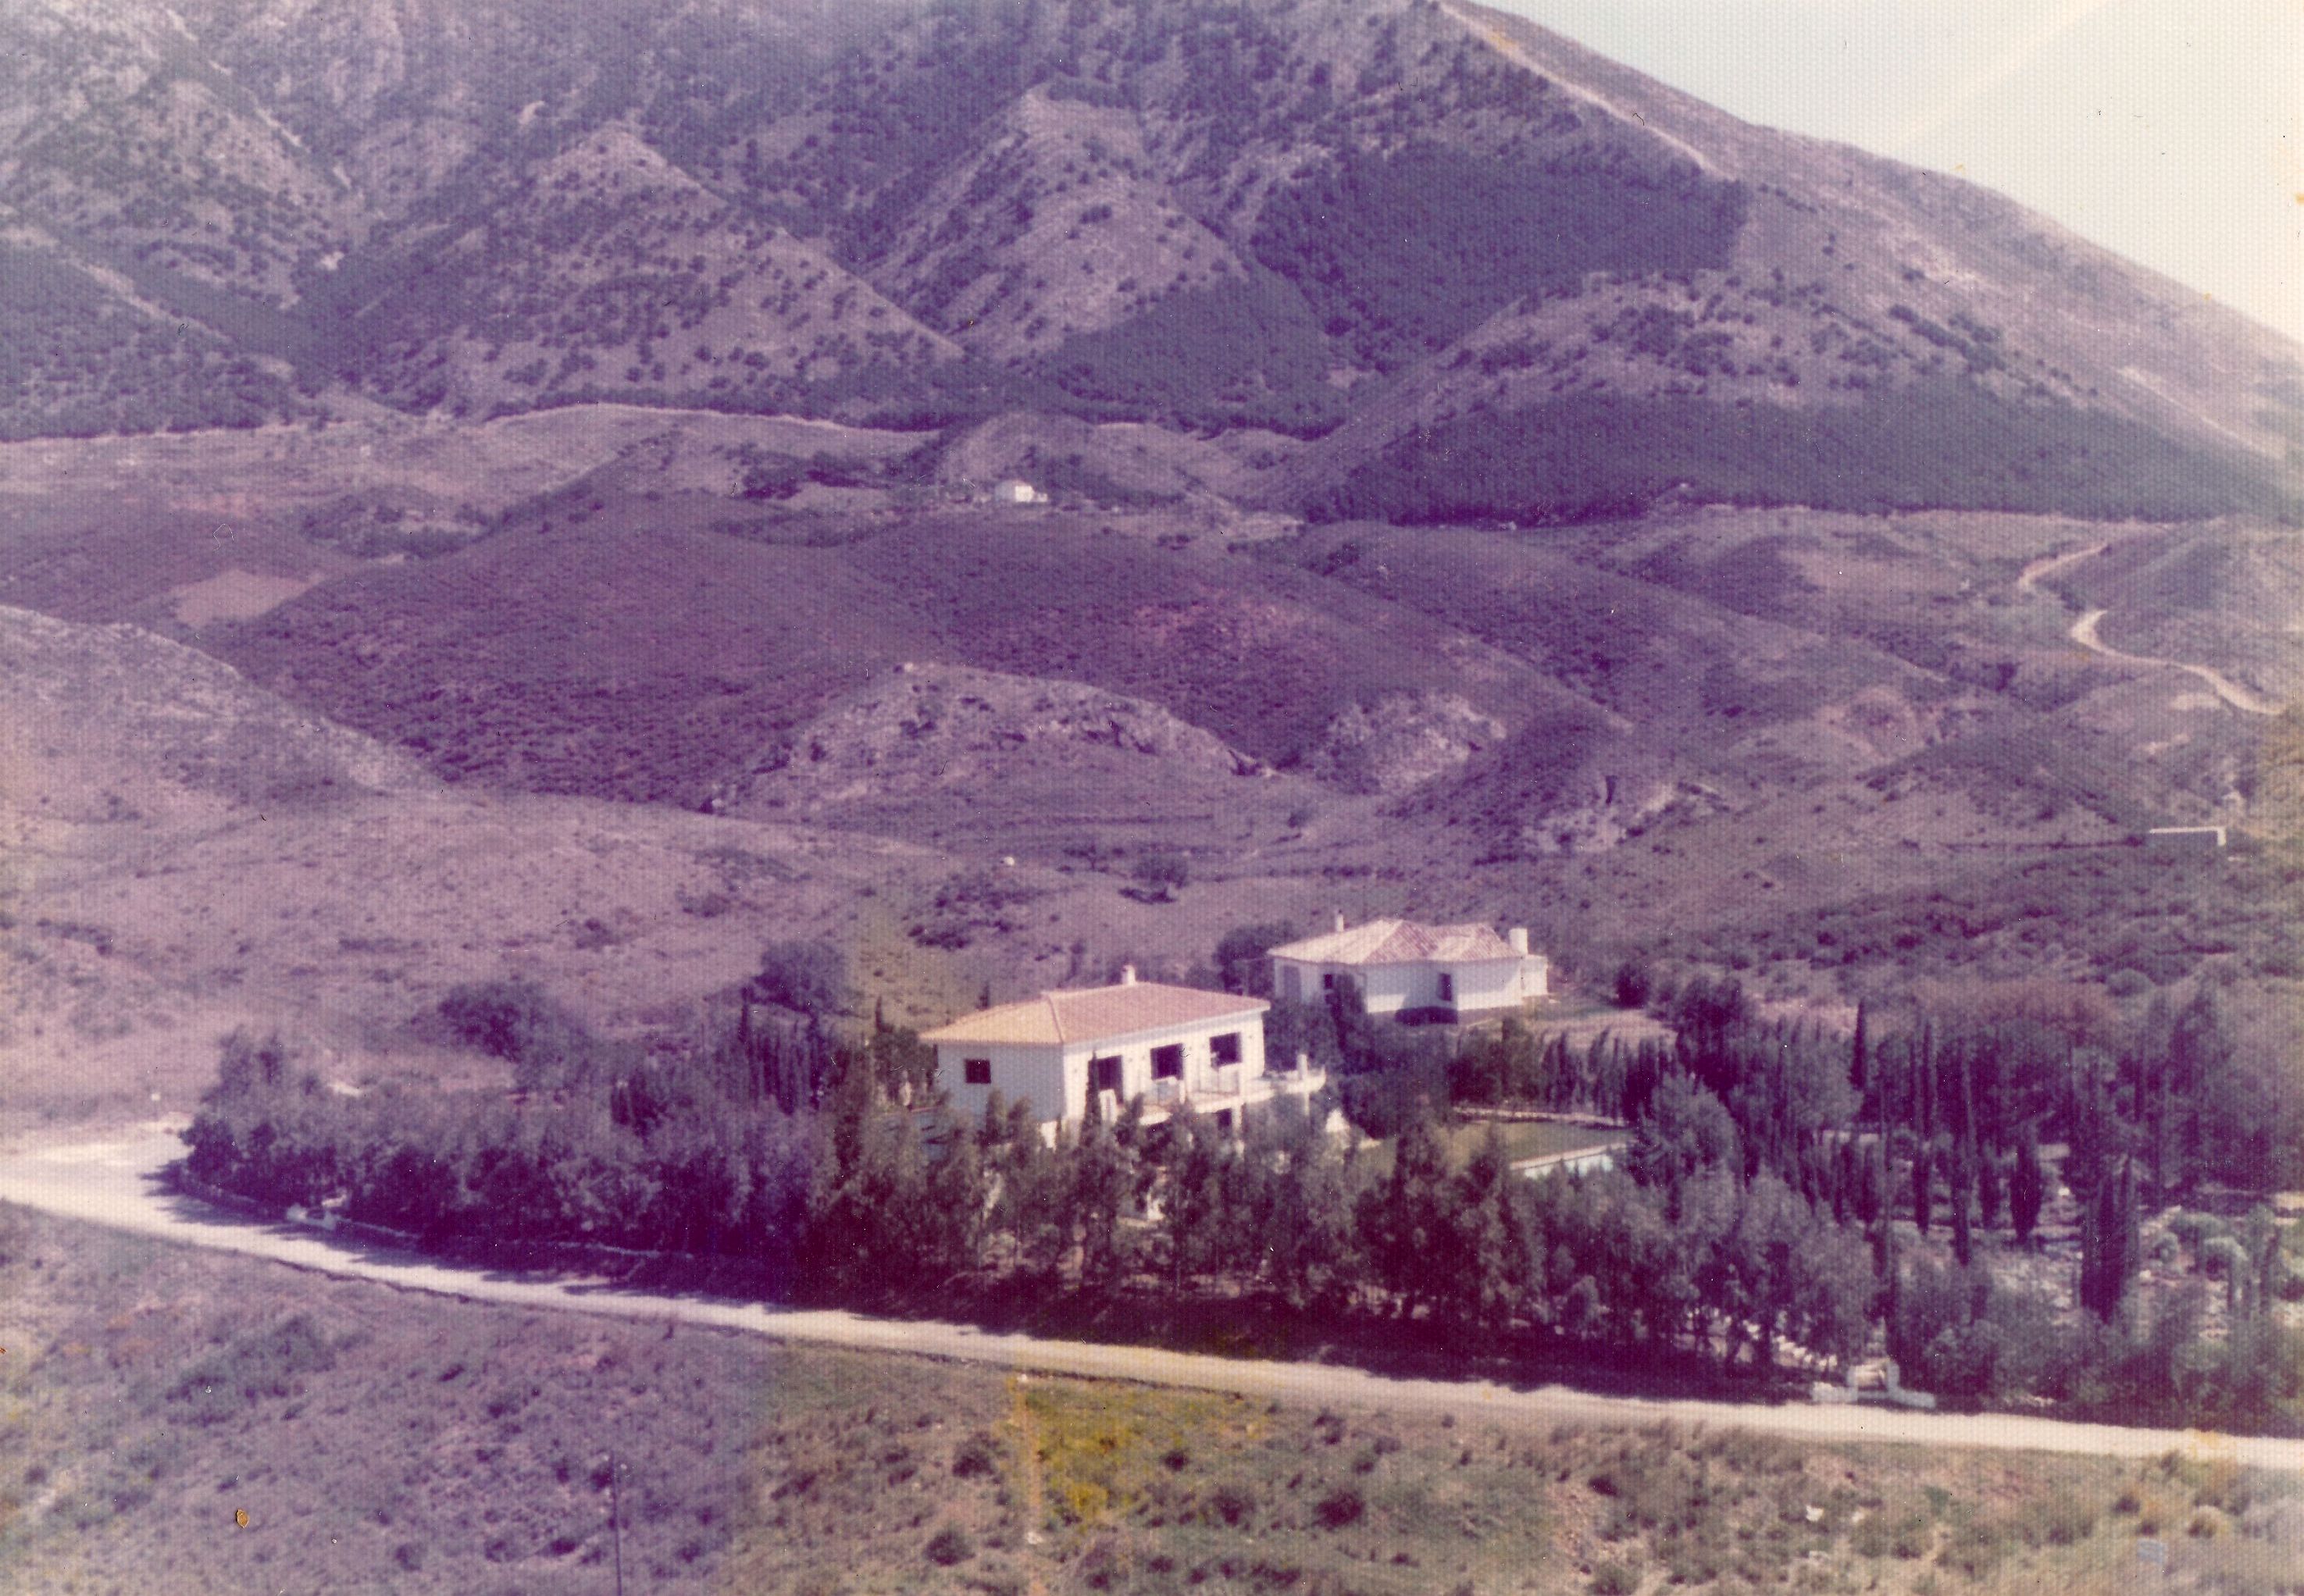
1402,232
1484,482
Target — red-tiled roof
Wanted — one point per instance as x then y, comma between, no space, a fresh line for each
1401,941
1055,1017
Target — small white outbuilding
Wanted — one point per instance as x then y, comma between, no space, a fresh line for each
1444,971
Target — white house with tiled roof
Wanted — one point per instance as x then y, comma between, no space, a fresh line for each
1399,965
1167,1044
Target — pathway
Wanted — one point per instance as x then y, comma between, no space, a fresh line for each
115,1184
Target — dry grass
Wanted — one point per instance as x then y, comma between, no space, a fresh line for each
376,1440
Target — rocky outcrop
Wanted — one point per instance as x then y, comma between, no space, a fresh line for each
927,728
1401,741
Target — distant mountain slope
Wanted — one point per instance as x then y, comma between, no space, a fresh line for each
619,657
1424,234
114,710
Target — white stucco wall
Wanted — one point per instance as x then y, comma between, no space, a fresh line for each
1480,985
1385,989
1488,984
1055,1077
1019,1071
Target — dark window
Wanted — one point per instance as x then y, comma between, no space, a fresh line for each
1328,981
1224,1048
1447,987
1223,1118
976,1072
1104,1074
1168,1062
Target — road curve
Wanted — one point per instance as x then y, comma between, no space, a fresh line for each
115,1184
2028,579
2084,633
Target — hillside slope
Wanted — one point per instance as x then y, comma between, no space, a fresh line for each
1417,231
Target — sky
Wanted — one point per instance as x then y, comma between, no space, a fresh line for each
2170,131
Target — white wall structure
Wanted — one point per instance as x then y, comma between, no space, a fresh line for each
1444,970
1170,1045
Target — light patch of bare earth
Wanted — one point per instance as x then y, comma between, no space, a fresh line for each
236,595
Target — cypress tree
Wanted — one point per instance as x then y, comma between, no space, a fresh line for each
2028,1190
2109,1247
1989,1189
1961,1177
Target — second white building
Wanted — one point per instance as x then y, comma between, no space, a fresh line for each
1444,972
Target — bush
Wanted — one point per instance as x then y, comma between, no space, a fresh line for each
1614,1579
977,1456
950,1545
1233,1503
516,1021
1161,873
259,1365
808,977
1342,1507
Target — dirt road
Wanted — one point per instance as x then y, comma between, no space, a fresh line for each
2028,579
114,1183
2083,633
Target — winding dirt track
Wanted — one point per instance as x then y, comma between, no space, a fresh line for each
2083,632
115,1184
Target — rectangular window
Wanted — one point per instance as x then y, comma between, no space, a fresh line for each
1224,1048
1328,981
1447,987
976,1072
1168,1062
1104,1074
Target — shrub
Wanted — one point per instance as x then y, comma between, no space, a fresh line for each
1614,1579
809,976
516,1021
1341,1507
1233,1503
1161,873
976,1457
950,1545
259,1365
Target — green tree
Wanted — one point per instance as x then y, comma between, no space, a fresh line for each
1406,1223
1685,1132
1488,1265
2028,1190
1103,1176
1192,1197
1301,1194
809,977
1243,957
1161,873
2110,1250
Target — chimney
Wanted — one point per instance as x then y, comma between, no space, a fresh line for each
1128,974
1518,936
1340,919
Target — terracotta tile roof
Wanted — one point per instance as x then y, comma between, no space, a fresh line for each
1400,941
1091,1015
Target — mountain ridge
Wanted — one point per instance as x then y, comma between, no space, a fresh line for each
1336,215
